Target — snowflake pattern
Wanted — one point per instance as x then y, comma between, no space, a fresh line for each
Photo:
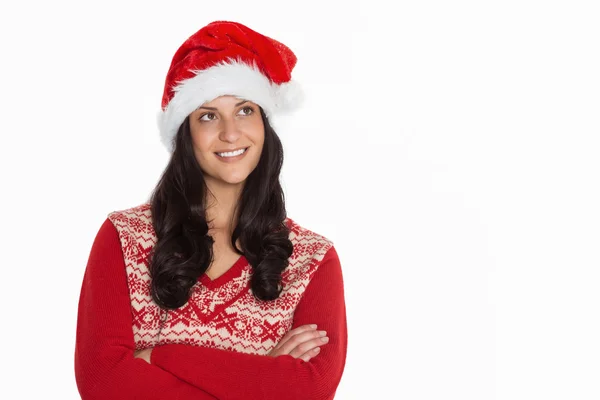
225,316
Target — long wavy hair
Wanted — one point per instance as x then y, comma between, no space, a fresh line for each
184,249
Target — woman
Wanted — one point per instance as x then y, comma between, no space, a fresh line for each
209,290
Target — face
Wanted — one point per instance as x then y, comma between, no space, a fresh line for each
227,124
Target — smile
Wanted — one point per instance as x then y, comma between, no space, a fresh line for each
231,156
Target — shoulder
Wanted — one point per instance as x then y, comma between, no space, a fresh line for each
311,250
138,217
124,232
135,230
307,240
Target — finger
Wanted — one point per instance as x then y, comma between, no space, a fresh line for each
290,343
310,354
294,332
305,347
299,339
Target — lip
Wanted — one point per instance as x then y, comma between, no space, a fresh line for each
232,159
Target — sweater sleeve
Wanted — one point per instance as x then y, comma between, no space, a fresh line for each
234,375
105,366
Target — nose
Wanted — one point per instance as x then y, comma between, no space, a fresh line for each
230,131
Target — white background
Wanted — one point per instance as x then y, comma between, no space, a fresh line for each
449,149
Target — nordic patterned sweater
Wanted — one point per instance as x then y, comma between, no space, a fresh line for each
215,346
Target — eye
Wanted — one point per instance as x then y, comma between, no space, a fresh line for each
204,115
251,110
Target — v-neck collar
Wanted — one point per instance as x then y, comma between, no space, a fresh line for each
232,272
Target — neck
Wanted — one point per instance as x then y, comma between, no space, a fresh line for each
221,201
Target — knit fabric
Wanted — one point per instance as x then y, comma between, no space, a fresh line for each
215,345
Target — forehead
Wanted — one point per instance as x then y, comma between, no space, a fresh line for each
225,100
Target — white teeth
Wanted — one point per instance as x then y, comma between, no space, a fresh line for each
232,153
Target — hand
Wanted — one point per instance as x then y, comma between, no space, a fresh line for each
302,342
143,354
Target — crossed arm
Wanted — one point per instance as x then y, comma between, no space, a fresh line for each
106,366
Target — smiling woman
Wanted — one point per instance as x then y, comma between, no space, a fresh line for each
188,294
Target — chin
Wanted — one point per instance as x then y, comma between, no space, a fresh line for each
234,180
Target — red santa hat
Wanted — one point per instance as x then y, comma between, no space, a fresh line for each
227,58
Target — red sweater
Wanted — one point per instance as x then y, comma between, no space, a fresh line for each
215,345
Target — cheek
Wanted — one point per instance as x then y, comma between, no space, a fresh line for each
200,141
257,130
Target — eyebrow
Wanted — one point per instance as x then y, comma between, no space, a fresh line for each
214,108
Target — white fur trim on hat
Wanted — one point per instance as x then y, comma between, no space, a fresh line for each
230,77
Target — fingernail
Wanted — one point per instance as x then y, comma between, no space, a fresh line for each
313,326
324,339
322,333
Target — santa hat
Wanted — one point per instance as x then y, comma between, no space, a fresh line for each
227,58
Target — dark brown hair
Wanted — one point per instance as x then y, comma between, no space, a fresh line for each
183,251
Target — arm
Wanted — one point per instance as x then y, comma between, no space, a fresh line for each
105,367
234,375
